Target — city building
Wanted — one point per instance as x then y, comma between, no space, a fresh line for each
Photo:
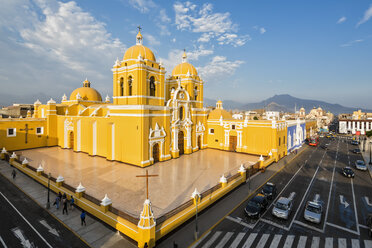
296,134
357,123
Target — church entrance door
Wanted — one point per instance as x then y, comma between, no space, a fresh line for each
232,142
71,140
199,142
181,137
155,152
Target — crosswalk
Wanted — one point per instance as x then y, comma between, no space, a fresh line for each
220,239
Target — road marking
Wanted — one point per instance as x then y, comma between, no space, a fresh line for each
341,243
50,229
289,241
355,208
200,240
367,201
237,240
274,224
263,240
275,241
240,221
330,190
328,243
308,226
302,242
224,240
342,228
19,234
33,228
343,201
355,243
3,243
315,242
211,241
250,240
363,226
367,243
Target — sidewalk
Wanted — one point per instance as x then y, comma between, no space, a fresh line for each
365,154
95,233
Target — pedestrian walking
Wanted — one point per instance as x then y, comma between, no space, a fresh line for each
64,196
56,202
82,217
72,201
60,195
175,244
14,174
64,201
146,245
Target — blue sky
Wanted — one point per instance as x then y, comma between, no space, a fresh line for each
244,50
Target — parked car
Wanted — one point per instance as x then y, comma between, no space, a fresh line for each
313,212
357,151
347,172
261,200
269,190
254,209
369,224
283,207
354,142
360,165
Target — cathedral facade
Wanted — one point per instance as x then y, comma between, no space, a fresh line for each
151,118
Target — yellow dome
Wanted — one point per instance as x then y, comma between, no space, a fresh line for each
183,68
217,113
134,51
86,93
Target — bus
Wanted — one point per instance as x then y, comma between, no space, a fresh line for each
314,141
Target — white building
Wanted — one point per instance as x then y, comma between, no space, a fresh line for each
348,126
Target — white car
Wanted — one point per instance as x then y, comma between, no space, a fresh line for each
283,207
360,165
313,212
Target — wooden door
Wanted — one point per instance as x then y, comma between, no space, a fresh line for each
155,152
72,140
199,142
233,142
181,142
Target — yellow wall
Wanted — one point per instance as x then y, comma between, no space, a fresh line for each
18,142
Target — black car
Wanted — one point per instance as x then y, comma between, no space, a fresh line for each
347,172
356,150
354,142
269,190
256,206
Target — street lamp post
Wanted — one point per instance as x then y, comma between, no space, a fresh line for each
48,201
196,217
370,150
364,144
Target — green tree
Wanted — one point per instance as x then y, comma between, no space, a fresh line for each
369,133
255,118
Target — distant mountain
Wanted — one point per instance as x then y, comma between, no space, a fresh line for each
287,103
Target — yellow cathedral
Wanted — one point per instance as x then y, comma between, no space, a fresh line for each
151,118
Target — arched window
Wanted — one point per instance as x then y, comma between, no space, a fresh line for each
181,113
121,86
130,85
152,86
196,92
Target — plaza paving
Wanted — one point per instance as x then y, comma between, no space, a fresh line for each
176,181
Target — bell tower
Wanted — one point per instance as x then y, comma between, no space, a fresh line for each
138,79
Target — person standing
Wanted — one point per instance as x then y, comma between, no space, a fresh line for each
56,202
72,201
82,217
64,201
14,174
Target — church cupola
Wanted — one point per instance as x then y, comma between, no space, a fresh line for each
139,37
86,83
219,105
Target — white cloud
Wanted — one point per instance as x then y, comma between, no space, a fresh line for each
143,6
262,30
341,20
151,39
200,52
210,24
55,45
367,16
219,67
163,16
350,43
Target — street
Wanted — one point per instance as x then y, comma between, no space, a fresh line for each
25,224
346,204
